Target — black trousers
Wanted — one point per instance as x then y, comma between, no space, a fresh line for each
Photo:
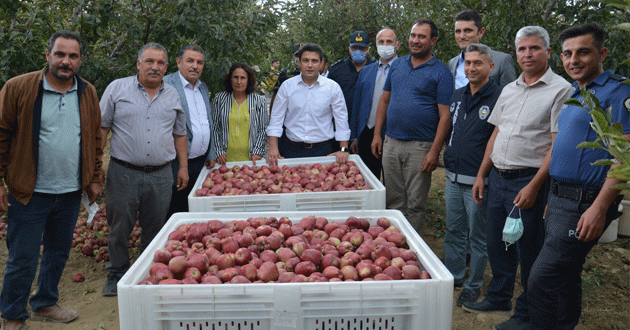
179,201
554,298
365,152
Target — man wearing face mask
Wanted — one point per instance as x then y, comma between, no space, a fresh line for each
367,93
346,72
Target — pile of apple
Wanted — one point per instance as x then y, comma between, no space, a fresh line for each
91,238
268,250
254,180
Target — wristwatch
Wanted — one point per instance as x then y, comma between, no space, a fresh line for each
344,149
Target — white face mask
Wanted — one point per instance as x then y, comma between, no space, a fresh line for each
386,52
513,229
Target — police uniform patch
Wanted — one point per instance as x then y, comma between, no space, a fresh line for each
626,104
483,112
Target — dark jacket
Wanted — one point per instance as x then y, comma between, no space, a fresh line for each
470,131
345,74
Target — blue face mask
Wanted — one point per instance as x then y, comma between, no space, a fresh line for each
513,229
358,56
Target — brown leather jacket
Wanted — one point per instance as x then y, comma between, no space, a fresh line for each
20,119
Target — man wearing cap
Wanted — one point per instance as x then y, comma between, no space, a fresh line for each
346,72
469,30
368,91
286,73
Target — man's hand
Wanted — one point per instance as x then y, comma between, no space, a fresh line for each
222,159
182,178
591,224
477,190
526,197
430,162
272,156
94,191
254,158
342,156
354,147
210,163
377,146
4,199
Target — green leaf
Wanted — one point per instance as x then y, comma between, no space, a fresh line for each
590,145
603,162
621,186
573,102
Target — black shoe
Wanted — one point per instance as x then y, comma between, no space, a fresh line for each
110,289
514,323
467,295
485,307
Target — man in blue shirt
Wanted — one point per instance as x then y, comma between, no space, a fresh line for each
581,205
471,106
415,101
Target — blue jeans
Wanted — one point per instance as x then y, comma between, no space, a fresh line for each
465,225
504,261
48,220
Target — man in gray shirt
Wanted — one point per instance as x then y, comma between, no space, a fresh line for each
469,30
148,129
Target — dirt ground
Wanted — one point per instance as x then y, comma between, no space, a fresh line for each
606,283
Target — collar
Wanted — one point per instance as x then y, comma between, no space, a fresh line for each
546,78
483,91
317,82
380,63
49,88
460,59
186,83
141,86
432,61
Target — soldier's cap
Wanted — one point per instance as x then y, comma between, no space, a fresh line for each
296,48
359,38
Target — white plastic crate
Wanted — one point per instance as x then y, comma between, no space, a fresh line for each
373,199
373,305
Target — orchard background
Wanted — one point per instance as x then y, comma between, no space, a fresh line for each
257,31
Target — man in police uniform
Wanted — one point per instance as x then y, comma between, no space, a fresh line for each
471,106
346,72
581,205
286,73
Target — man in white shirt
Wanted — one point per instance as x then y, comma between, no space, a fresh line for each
195,100
306,105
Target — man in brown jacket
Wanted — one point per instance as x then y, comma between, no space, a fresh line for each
50,153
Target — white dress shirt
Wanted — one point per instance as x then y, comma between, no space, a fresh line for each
198,118
307,112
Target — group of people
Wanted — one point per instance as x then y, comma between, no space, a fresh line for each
510,153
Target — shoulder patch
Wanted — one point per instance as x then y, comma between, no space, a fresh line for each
483,112
626,104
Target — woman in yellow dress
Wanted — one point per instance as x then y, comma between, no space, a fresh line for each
240,117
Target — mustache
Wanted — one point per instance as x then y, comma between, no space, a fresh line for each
157,73
64,67
193,70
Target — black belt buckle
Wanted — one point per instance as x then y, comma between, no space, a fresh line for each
569,192
308,145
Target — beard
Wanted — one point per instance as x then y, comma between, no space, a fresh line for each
422,53
55,71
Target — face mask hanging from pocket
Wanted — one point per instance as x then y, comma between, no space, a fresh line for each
513,229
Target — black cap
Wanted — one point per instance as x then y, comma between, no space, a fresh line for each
296,48
359,38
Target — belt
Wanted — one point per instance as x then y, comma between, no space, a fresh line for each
308,145
573,193
513,174
149,168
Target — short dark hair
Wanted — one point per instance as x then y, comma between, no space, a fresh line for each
434,29
593,29
192,47
470,15
325,58
251,78
66,34
311,48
